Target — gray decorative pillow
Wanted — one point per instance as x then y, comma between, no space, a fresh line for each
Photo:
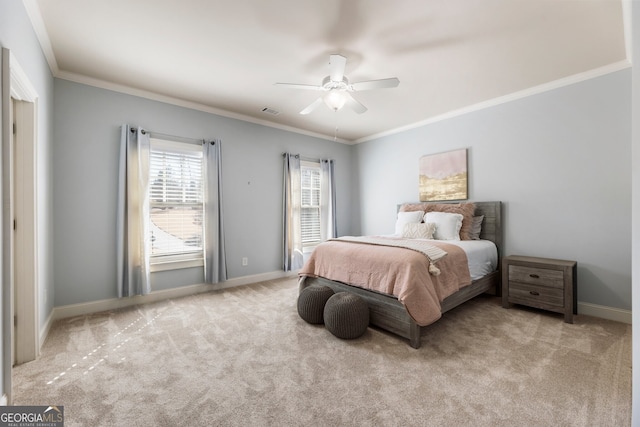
476,227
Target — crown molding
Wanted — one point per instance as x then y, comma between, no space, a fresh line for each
627,23
545,87
33,11
90,81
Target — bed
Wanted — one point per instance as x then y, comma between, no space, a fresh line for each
388,313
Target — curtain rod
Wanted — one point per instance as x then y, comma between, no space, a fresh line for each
172,137
307,159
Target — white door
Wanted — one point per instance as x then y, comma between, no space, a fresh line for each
24,232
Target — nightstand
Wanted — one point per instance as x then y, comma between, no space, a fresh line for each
545,283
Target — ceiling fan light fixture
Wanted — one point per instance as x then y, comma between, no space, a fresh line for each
335,99
337,89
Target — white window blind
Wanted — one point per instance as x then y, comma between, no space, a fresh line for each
310,207
176,200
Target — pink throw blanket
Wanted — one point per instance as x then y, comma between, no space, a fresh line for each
392,270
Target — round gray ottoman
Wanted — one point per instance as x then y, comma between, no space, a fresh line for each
346,315
311,303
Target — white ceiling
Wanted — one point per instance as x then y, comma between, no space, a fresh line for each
224,56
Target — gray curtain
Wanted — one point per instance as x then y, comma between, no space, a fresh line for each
292,245
328,228
132,228
215,264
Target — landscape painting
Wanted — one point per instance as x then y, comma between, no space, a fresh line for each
443,176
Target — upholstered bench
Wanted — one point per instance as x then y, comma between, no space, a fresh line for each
311,302
346,315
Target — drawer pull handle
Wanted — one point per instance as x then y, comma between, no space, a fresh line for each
535,276
534,293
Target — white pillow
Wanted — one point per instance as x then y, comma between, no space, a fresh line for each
406,218
447,225
418,230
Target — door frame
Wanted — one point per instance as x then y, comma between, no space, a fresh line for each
19,203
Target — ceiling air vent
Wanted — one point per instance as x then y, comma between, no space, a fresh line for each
271,111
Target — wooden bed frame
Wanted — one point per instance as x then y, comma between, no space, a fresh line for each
386,312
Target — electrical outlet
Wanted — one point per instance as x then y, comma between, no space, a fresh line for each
245,261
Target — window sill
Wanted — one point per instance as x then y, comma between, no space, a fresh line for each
176,265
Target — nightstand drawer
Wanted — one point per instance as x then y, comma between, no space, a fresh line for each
536,296
536,276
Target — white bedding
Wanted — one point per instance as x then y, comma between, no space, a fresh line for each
481,254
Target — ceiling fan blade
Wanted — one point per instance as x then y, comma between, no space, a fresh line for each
299,86
354,104
376,84
312,106
336,67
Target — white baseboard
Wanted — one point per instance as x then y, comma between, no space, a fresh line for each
246,280
72,310
604,312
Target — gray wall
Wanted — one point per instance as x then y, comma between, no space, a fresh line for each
86,133
559,161
17,35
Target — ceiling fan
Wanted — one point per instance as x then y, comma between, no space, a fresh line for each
337,88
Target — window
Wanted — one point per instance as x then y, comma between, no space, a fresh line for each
175,201
310,203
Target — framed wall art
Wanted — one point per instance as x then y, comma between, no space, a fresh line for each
443,176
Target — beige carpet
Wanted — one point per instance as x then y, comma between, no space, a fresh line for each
243,357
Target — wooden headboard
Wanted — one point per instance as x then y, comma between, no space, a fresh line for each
491,224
